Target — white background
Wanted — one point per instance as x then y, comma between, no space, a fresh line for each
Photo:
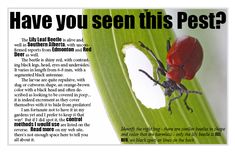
116,4
100,130
212,75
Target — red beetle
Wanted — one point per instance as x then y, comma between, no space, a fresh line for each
184,59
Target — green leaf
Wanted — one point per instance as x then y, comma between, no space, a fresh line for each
112,79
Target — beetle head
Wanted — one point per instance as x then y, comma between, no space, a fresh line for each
167,85
168,92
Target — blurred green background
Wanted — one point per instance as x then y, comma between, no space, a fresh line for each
212,76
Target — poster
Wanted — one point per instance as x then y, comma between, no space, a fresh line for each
117,76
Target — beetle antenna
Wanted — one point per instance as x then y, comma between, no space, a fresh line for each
160,64
149,50
157,82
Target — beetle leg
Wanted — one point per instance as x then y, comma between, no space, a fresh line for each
195,92
161,67
184,89
171,100
168,45
185,100
186,104
158,74
151,78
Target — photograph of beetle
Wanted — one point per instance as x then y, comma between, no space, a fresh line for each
184,59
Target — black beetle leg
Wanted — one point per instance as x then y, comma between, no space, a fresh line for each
158,75
185,99
169,108
171,100
195,92
186,104
184,89
168,45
